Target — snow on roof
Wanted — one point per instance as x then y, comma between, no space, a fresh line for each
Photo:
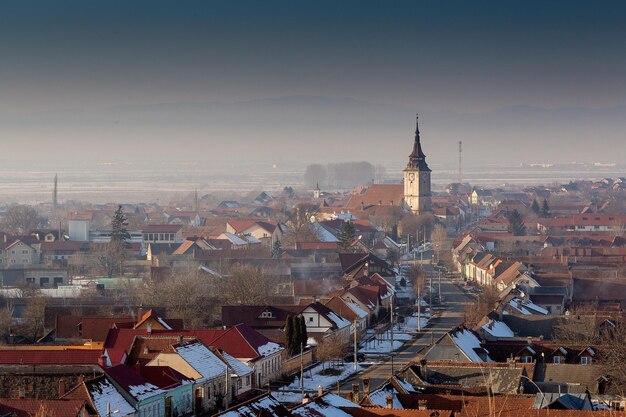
269,348
143,391
322,234
327,405
266,406
202,360
562,350
517,305
251,239
527,307
531,350
234,239
238,367
467,342
164,324
498,329
105,397
339,321
357,310
538,309
405,385
379,397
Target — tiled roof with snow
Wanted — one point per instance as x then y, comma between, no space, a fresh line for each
106,397
468,343
340,322
527,307
266,406
498,329
327,405
238,367
358,310
202,360
269,348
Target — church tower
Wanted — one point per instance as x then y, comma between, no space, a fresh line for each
417,179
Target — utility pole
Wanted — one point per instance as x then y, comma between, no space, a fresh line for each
356,347
302,368
391,349
439,286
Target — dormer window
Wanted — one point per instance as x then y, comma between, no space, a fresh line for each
267,315
585,360
557,359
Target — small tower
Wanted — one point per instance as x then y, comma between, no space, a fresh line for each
317,191
417,178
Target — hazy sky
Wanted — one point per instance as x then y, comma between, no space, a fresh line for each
66,65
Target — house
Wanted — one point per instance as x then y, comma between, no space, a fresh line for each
102,396
322,322
239,242
210,374
187,218
366,297
152,391
261,230
61,250
163,233
460,345
20,252
349,311
262,406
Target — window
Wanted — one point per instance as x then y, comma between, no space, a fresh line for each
526,359
248,380
44,281
585,360
557,359
24,252
310,319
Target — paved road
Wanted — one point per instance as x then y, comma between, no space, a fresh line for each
447,318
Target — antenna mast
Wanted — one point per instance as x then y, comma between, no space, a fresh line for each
460,162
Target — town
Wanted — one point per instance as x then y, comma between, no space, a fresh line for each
387,299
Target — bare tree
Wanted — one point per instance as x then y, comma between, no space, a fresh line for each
111,258
188,294
6,320
22,218
331,348
439,239
483,305
33,317
300,227
247,285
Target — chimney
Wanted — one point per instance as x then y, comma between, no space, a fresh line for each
306,399
81,379
366,386
102,361
389,402
149,329
349,396
139,314
61,387
180,339
21,392
355,392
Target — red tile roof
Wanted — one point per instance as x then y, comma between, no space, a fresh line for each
50,357
28,407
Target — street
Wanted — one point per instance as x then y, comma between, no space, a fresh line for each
447,317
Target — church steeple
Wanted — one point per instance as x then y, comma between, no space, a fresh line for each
417,159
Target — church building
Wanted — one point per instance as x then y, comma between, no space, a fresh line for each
413,194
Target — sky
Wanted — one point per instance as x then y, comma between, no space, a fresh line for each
312,81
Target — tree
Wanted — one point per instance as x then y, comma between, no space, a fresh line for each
188,294
331,347
289,334
545,209
119,226
111,258
314,174
483,305
297,336
276,249
304,336
246,285
22,218
535,207
346,237
289,191
516,223
33,317
299,224
439,237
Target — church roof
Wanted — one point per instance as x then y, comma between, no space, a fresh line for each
378,195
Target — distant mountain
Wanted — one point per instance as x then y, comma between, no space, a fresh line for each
326,129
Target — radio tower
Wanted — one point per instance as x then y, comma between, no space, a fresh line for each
54,193
460,161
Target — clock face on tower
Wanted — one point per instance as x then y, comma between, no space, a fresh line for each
411,176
